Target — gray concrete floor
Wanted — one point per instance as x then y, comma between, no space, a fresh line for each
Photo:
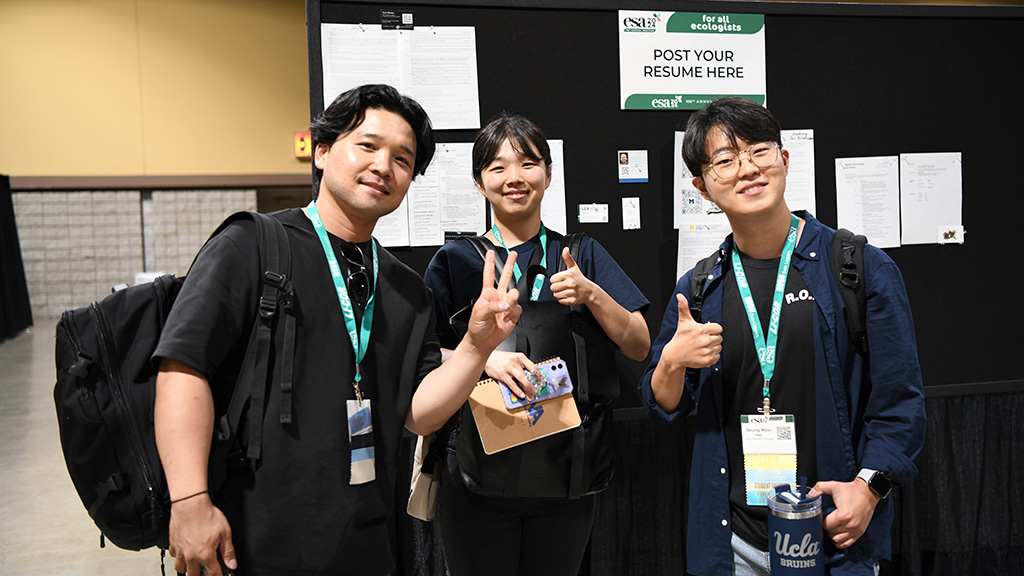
44,528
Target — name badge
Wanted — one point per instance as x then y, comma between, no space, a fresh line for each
360,439
769,454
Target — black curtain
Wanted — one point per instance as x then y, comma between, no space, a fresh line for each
962,515
15,312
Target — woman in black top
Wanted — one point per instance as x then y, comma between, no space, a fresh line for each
485,534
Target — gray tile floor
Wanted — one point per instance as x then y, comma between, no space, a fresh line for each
44,529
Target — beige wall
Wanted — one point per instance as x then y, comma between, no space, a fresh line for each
152,87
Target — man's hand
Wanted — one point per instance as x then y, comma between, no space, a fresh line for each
496,311
570,287
855,504
694,345
198,532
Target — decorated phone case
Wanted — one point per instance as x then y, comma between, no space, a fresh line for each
555,383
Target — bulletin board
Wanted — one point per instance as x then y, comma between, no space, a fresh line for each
870,80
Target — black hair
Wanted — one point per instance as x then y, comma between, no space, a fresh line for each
349,109
737,117
525,137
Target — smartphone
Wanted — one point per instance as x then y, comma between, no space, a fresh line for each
554,382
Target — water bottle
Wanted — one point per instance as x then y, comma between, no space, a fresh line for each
795,545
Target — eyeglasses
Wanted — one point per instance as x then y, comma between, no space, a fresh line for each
727,164
358,282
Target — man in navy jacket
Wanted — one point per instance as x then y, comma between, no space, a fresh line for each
774,340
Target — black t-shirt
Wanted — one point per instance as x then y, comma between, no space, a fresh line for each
297,513
792,387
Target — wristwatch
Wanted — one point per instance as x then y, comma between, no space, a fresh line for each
877,481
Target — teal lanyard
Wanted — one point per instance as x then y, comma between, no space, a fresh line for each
361,338
766,350
538,282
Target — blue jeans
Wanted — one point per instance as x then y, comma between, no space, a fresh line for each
747,560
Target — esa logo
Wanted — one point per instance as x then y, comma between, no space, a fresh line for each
667,102
638,23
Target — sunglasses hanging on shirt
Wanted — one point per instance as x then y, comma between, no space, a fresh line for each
357,282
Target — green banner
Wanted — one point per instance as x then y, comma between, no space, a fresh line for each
699,23
680,101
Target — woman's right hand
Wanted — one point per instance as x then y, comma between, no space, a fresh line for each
508,367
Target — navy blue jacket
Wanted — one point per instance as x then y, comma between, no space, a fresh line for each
867,414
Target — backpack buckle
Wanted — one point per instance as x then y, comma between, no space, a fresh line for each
849,278
273,283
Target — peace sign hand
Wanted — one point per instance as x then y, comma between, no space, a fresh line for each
496,311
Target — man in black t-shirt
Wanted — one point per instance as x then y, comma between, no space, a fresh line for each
794,377
780,391
318,500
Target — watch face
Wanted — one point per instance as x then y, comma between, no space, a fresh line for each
880,484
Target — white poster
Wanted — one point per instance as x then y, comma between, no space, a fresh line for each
701,223
463,208
553,208
931,198
800,180
436,66
687,203
698,240
868,198
684,60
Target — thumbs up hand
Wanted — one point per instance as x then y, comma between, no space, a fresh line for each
567,257
570,287
694,345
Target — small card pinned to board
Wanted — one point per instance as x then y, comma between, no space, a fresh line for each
501,428
396,20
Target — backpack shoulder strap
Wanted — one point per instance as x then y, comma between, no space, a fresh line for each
482,245
573,241
698,282
276,295
848,269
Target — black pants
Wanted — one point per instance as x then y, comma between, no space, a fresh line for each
484,536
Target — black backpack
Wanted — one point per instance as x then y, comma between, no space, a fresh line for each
106,386
847,268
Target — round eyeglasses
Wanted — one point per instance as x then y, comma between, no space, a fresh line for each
727,164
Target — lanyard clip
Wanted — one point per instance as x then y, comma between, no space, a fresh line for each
766,409
355,385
